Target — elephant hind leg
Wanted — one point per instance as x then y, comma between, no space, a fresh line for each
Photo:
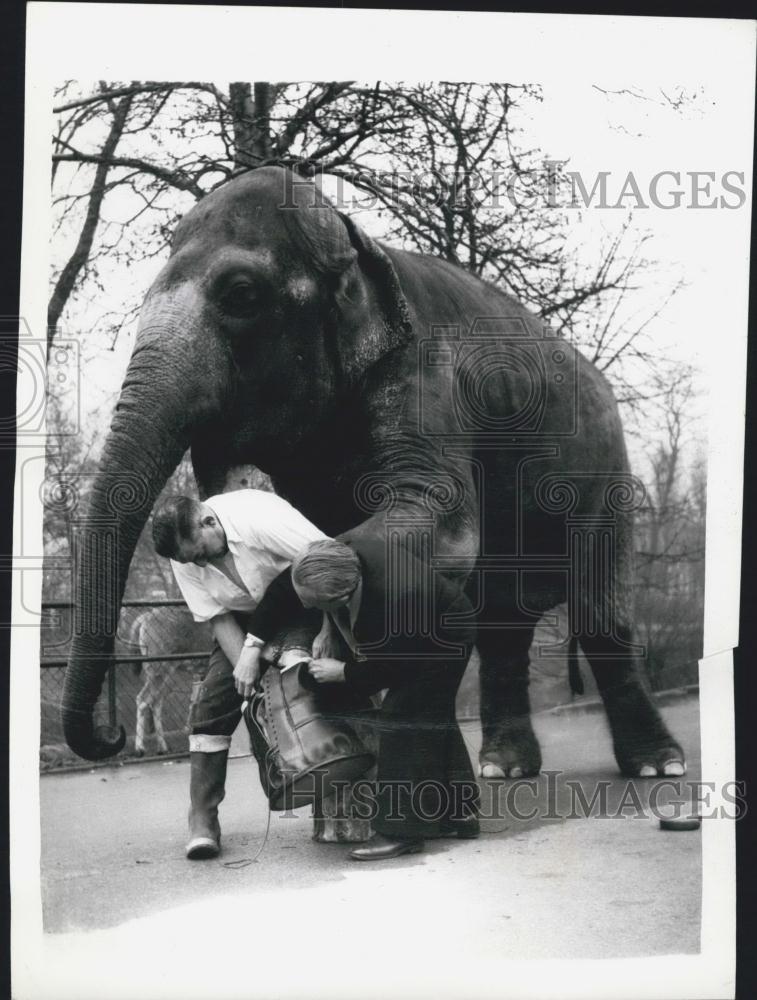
509,747
600,602
643,745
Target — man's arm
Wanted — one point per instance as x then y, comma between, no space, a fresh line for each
280,606
230,638
228,635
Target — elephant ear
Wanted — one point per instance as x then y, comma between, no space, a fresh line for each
372,311
370,315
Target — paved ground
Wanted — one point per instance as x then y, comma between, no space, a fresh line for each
113,865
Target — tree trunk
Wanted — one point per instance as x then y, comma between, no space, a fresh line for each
251,111
78,259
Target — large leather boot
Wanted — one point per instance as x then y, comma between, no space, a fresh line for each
207,787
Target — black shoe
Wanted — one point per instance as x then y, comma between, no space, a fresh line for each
467,828
380,848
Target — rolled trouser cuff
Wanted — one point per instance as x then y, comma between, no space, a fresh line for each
208,743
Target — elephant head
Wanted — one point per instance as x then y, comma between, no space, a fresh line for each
271,307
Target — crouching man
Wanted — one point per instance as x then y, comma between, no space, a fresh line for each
410,636
225,552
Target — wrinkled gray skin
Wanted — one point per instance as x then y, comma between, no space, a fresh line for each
285,337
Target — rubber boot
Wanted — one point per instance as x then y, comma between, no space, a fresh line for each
207,781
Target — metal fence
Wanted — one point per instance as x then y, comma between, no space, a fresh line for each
161,655
160,658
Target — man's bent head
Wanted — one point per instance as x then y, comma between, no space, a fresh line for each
187,530
326,574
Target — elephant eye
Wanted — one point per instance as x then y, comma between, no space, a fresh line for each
239,300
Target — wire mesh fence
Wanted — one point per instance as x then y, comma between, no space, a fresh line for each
160,658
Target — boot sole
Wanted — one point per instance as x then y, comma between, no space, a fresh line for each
389,855
202,848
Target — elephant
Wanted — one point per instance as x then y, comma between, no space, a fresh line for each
378,387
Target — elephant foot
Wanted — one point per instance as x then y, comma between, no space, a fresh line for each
643,745
334,821
665,760
328,830
511,752
139,751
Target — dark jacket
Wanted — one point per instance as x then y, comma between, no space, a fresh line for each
409,614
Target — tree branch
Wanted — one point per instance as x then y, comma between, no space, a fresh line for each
140,88
67,279
176,178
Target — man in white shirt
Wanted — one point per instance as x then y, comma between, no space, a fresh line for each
225,552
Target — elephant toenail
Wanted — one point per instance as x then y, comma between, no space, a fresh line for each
647,771
674,768
491,771
516,772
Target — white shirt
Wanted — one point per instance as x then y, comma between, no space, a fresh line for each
264,533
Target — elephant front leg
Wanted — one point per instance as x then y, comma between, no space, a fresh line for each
509,748
643,744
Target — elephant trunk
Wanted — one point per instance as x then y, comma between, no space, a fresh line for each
148,436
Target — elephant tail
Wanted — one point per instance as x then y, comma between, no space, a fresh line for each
574,670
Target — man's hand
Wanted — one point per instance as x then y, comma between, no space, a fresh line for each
326,670
326,643
247,670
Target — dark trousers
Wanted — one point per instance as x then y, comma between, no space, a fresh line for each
424,771
218,709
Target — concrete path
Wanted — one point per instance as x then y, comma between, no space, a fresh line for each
114,872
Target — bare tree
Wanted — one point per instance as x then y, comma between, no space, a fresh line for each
670,541
445,163
119,111
464,185
158,144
